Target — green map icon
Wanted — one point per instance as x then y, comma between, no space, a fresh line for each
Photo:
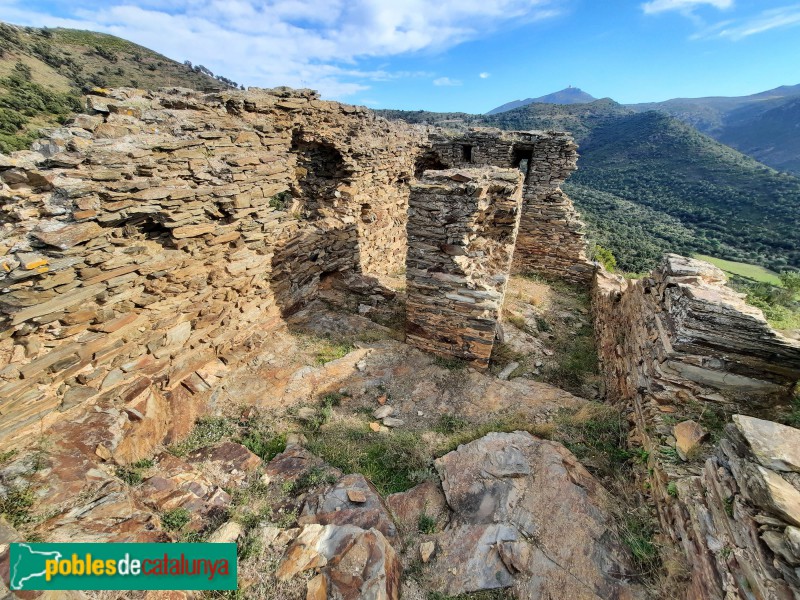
27,564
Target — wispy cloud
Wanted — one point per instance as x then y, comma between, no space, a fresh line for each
485,75
735,30
314,43
659,6
446,81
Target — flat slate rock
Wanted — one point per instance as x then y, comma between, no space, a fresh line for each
527,514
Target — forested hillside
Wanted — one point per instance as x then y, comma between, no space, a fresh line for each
764,125
43,71
648,184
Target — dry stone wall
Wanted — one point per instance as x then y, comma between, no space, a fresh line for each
551,239
462,229
680,347
153,239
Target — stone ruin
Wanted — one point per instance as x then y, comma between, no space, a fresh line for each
551,239
147,249
680,343
148,243
462,229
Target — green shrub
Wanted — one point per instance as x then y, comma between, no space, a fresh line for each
450,363
207,431
264,444
426,524
605,257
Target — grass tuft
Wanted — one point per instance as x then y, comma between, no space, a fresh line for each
450,363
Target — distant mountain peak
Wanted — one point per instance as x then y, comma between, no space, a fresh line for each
569,95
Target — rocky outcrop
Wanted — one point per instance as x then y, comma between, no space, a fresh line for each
551,239
351,563
526,514
737,518
461,232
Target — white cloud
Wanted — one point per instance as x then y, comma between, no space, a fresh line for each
301,43
485,75
766,21
659,6
446,81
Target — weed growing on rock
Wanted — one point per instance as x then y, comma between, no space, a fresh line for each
463,432
312,478
264,444
793,418
636,531
426,524
132,474
16,506
7,455
449,424
330,351
577,362
499,594
207,431
175,519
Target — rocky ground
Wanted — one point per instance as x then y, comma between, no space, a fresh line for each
349,465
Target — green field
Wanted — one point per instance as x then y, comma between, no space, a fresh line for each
753,272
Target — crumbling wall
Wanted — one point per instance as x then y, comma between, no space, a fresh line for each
159,237
551,239
462,230
679,350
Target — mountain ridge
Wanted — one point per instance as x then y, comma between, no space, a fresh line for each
569,95
695,194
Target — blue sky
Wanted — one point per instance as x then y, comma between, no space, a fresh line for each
459,55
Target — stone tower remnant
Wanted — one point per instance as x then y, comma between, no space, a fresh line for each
462,228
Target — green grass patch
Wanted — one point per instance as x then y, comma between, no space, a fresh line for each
792,419
264,444
393,462
175,519
637,531
753,272
314,477
450,363
502,356
450,424
330,351
576,362
426,524
461,432
498,594
8,455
